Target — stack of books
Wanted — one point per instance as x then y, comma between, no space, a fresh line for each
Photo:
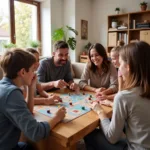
142,25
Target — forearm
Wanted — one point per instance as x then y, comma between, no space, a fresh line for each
108,91
111,97
30,99
39,100
44,94
53,122
48,85
89,88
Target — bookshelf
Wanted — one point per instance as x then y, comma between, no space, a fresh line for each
131,28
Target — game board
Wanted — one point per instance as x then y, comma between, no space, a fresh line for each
75,104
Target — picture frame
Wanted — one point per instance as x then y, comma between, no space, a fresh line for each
84,29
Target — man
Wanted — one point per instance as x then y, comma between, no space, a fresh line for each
55,72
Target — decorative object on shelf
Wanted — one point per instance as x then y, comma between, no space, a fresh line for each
84,29
114,23
143,6
62,34
117,10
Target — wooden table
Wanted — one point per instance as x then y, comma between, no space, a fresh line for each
65,135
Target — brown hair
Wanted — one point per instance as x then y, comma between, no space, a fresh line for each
14,60
60,44
137,56
102,52
117,48
32,50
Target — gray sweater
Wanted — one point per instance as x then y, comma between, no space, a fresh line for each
132,109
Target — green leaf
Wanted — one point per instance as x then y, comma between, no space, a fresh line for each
73,30
72,43
58,34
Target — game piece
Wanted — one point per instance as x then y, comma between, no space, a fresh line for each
60,100
69,94
89,98
83,93
70,103
48,111
83,108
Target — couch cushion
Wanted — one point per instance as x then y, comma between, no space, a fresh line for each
72,72
78,69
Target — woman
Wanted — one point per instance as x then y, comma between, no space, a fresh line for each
99,72
131,105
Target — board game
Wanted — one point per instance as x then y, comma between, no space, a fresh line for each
75,104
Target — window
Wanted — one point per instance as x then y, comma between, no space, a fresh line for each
4,25
22,25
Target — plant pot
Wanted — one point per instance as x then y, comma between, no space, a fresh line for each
83,53
143,7
117,11
114,24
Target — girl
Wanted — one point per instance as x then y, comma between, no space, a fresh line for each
131,105
114,54
100,72
44,98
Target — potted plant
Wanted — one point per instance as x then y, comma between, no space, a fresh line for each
62,34
86,47
34,44
114,23
9,45
143,6
117,10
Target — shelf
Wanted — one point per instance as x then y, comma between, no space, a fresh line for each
129,34
119,30
138,29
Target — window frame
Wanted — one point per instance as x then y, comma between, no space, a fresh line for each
12,18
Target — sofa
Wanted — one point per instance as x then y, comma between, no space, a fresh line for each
76,70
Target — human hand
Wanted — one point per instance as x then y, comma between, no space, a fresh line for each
60,114
99,90
60,84
33,82
52,99
107,103
74,86
101,97
97,108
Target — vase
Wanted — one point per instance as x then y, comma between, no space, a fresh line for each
114,24
117,12
143,7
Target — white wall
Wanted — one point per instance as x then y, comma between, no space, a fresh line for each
51,19
69,19
46,27
83,12
102,8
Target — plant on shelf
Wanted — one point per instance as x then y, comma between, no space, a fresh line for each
87,47
143,6
8,45
117,10
62,34
34,44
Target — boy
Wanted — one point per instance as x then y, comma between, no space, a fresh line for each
18,68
